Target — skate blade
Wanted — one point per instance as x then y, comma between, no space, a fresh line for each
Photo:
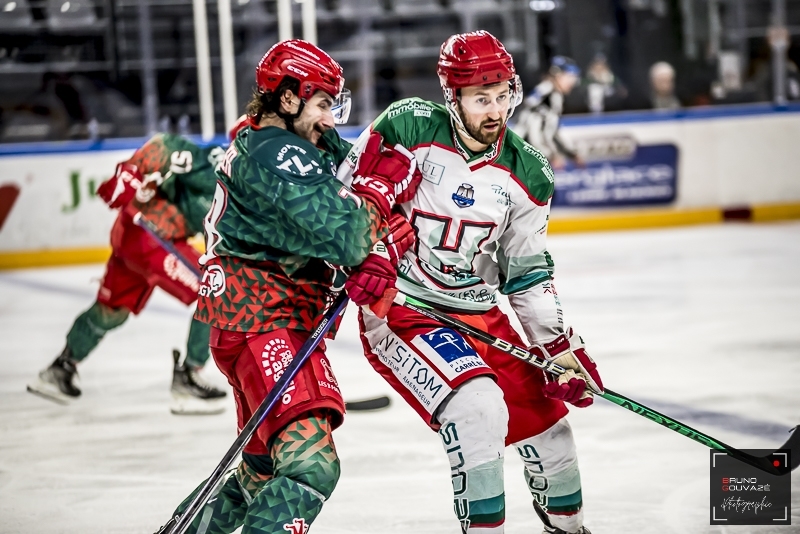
188,405
49,392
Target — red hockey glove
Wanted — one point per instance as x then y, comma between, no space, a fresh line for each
568,351
411,189
377,273
118,190
401,237
383,174
372,278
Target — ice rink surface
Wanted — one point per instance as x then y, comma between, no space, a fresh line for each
702,323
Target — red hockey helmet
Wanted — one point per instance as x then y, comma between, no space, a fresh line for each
475,58
316,71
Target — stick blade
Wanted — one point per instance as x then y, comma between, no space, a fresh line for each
793,446
368,405
766,463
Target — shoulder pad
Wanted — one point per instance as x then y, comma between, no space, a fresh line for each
531,167
290,158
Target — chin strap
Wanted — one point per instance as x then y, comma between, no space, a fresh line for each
289,118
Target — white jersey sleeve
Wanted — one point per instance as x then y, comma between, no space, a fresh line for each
528,269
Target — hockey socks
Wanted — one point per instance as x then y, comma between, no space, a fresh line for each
282,492
90,327
474,422
197,352
553,477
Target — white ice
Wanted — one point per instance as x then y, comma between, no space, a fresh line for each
702,318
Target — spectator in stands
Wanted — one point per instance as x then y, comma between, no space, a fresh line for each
604,91
662,86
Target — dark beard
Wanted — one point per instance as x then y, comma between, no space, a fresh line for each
483,138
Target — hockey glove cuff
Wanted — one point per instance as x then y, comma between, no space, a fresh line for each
120,189
401,237
569,351
370,280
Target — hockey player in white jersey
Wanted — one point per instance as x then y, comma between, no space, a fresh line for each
480,216
540,117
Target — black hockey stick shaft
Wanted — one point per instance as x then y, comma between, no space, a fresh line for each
152,230
199,500
764,463
368,405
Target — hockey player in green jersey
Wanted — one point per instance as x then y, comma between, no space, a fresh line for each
279,233
169,182
480,216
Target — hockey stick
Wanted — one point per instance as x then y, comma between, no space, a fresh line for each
764,463
365,405
180,522
368,405
152,230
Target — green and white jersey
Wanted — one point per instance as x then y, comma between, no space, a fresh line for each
481,219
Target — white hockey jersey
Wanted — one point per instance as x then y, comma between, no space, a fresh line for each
481,219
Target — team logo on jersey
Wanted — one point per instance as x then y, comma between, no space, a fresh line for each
213,282
297,526
464,196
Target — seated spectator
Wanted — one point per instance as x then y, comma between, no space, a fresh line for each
662,85
604,91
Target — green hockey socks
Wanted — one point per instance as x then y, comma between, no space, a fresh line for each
90,327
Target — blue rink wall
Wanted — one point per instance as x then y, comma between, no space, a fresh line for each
644,169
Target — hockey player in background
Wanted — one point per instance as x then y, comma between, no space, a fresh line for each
279,232
480,216
540,116
169,182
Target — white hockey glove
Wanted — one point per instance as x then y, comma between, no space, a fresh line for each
568,351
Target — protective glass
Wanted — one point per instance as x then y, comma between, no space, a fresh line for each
341,107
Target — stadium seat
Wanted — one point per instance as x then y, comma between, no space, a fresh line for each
14,14
70,13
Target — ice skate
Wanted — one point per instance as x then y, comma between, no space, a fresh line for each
57,382
548,526
554,530
191,395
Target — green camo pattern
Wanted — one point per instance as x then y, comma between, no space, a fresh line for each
283,200
305,470
187,171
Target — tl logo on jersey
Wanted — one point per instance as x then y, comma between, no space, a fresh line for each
464,196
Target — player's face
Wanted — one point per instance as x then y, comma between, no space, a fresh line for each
484,110
316,117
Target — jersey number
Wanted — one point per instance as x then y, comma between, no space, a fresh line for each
180,162
210,222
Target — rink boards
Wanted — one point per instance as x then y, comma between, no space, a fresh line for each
644,170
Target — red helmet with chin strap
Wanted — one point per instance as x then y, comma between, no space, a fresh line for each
303,61
475,58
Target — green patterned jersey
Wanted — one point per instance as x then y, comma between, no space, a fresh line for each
278,224
187,180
